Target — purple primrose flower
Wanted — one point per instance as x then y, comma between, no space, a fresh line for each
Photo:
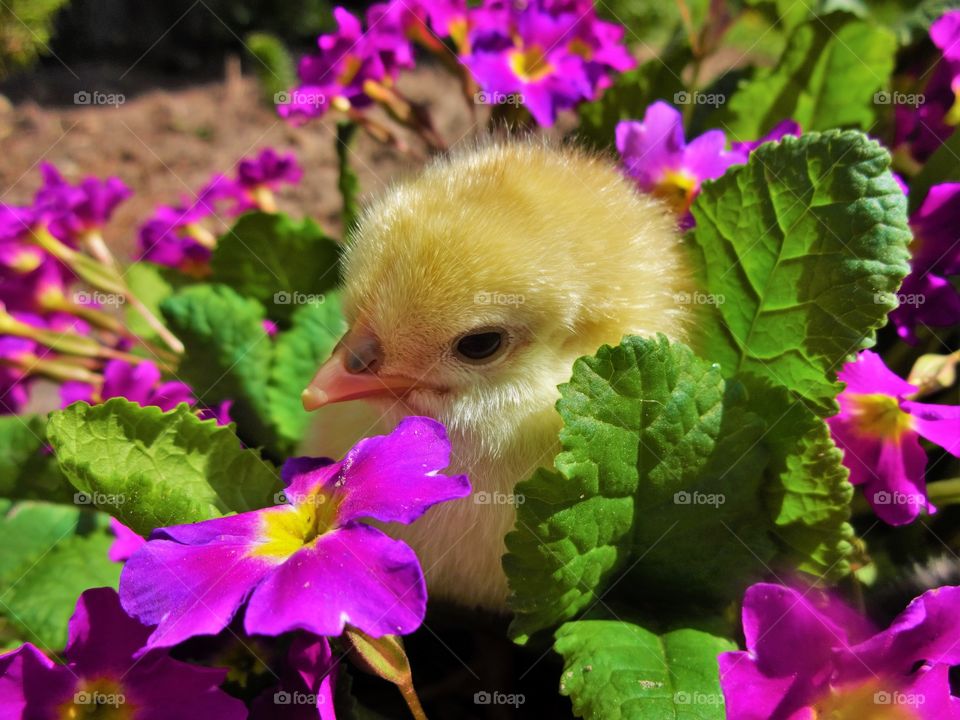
809,656
879,431
308,564
106,676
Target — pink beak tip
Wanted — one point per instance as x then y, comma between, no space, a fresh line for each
313,398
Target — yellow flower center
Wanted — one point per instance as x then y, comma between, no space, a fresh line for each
26,261
351,67
98,699
867,701
52,298
878,416
677,189
953,114
458,33
530,65
579,47
289,528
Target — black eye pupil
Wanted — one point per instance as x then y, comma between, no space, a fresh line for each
479,345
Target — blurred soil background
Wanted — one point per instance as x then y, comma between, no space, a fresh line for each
189,103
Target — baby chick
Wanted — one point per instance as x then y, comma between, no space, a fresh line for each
470,291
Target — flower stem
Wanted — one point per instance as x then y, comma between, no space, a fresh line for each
100,276
59,370
413,702
102,272
96,246
92,315
172,341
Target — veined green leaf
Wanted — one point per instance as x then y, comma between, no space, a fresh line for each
803,249
153,469
616,670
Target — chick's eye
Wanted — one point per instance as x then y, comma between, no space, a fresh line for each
480,346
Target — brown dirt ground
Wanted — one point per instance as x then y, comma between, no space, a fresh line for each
166,143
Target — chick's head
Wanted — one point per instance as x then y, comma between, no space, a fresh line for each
471,289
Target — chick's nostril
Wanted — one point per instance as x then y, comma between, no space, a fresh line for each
363,357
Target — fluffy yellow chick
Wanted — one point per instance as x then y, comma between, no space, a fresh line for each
470,290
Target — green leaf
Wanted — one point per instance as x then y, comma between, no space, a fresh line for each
786,15
272,64
27,470
52,553
29,529
808,495
151,284
802,250
298,352
616,670
659,465
826,78
228,354
44,598
943,166
278,261
153,469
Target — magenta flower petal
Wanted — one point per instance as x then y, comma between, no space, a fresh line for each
105,658
556,55
74,209
134,382
927,295
127,542
651,147
164,688
748,694
789,645
309,673
656,154
932,685
268,169
191,579
905,665
945,33
74,391
869,375
940,424
307,564
313,661
407,491
924,127
345,61
891,472
219,412
860,454
31,685
879,432
101,637
168,395
706,157
786,633
926,631
897,500
356,575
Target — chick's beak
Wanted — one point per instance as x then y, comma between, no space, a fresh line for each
352,372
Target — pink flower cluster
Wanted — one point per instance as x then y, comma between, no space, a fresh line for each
545,55
176,237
